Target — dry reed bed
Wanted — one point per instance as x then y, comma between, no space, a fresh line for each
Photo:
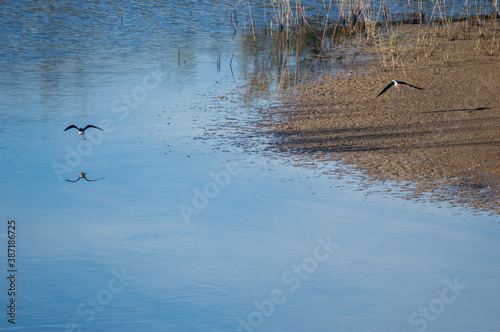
295,29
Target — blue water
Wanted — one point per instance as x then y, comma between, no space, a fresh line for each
189,230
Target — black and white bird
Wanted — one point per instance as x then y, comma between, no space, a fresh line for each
82,176
396,85
81,131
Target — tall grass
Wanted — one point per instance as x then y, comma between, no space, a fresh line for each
371,20
287,36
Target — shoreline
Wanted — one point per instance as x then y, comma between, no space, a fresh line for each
444,140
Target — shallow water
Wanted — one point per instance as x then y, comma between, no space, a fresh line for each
187,232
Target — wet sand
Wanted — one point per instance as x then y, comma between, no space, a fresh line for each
443,140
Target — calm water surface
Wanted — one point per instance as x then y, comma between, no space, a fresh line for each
187,232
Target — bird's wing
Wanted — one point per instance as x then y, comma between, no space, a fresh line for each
73,181
72,126
385,89
415,87
91,126
93,180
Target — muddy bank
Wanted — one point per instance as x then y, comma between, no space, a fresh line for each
444,139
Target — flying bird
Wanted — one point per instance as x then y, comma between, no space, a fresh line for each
396,85
81,131
82,176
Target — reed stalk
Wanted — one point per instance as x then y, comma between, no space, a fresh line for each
290,24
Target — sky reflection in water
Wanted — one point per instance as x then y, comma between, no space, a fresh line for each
119,255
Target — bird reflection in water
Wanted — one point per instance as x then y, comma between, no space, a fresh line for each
82,176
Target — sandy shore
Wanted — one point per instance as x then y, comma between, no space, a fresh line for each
445,139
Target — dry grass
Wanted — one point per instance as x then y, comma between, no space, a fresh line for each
378,25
